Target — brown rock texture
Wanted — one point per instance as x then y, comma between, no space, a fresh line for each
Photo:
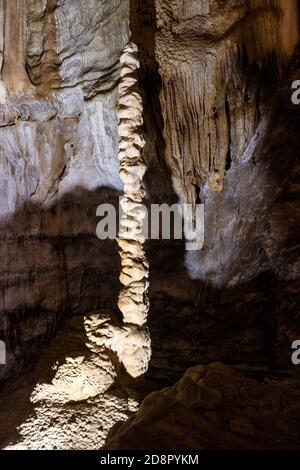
198,52
216,80
220,129
59,162
214,407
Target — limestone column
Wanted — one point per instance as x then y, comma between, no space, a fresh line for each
133,298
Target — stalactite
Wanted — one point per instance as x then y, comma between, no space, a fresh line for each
14,73
133,298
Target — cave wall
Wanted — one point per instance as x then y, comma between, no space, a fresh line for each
58,144
201,54
220,129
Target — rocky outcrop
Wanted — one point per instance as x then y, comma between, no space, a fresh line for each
72,398
128,341
213,407
256,305
52,45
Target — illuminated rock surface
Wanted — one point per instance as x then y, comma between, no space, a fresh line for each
133,298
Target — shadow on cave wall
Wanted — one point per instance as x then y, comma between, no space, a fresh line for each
193,321
54,266
157,179
16,405
253,324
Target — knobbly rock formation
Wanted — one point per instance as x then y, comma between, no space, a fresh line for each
72,399
133,299
128,341
214,407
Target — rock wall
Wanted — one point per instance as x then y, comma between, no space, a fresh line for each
205,56
213,408
207,69
220,129
72,398
58,147
133,298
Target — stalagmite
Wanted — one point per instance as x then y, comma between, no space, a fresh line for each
133,299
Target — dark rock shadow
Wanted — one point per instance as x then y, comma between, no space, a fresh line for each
193,321
55,267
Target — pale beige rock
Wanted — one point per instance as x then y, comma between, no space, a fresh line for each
59,65
130,342
133,347
133,343
70,404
